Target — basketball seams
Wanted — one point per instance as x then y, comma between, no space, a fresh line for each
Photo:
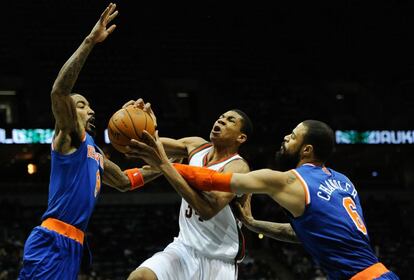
120,131
133,125
145,127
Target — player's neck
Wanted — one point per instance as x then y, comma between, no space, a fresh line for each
310,161
219,153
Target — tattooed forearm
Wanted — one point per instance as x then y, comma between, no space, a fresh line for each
70,70
279,231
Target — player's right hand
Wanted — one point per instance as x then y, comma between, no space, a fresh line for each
243,209
100,30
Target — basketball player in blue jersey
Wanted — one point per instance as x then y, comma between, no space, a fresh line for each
322,204
54,249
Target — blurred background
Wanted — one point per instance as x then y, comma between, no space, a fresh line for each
348,64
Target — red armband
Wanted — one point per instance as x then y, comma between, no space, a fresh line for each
204,179
135,177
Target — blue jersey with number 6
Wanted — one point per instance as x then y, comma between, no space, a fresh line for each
332,228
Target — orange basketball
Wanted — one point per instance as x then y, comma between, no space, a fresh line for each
127,124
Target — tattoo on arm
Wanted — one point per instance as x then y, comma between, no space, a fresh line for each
291,179
70,70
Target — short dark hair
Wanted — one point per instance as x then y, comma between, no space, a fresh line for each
321,137
247,125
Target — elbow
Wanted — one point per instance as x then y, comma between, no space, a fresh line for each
203,212
56,90
123,188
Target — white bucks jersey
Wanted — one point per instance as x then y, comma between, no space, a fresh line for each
219,236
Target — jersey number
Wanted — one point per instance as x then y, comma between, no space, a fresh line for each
98,183
189,213
350,207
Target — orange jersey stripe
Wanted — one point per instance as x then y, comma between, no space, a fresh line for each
199,148
304,186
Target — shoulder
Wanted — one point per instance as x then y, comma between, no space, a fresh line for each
193,142
197,145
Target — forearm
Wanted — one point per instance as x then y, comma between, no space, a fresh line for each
204,179
123,181
149,174
279,231
198,202
69,73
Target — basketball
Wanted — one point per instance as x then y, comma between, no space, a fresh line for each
127,124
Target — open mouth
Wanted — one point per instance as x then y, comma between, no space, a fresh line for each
216,129
91,123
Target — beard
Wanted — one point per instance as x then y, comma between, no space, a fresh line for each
285,161
90,127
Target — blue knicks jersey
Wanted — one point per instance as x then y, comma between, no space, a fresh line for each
75,182
332,228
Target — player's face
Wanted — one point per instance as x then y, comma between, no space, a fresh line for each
86,115
289,156
227,127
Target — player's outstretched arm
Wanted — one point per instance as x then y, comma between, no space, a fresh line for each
279,231
283,187
64,110
129,179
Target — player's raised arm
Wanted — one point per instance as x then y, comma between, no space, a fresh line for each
63,106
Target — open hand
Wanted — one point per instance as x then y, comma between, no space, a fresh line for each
150,149
242,209
100,30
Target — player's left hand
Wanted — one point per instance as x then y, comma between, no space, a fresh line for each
150,149
100,31
243,209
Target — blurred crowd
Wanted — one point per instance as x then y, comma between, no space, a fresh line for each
120,237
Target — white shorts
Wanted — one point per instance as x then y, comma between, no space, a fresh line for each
178,262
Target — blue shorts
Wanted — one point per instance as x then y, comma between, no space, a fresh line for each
50,255
388,276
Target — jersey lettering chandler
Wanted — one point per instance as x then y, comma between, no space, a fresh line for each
218,237
75,183
332,228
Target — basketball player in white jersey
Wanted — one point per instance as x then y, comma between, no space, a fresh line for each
210,242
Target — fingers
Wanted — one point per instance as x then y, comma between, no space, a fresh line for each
112,16
137,144
147,107
112,8
148,139
111,29
140,103
107,10
129,103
